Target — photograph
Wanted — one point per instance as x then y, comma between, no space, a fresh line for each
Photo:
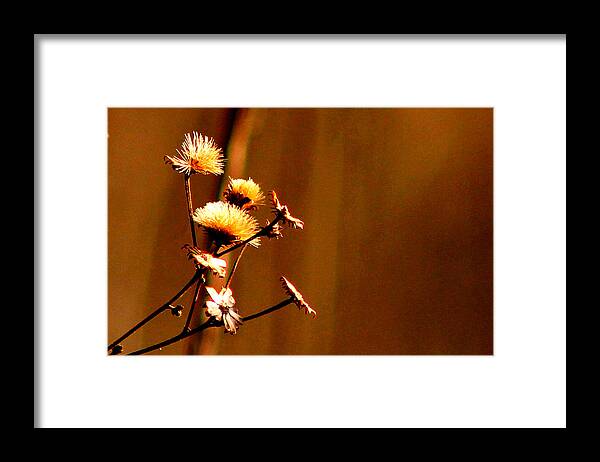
300,231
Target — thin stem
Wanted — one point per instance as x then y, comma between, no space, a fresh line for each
195,299
268,310
235,265
156,312
188,195
211,322
212,248
262,232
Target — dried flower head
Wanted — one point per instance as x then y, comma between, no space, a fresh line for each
222,308
246,194
273,232
297,296
207,260
283,212
226,224
198,154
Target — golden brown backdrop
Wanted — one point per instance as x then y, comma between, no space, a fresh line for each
397,251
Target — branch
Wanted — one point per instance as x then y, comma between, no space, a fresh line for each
190,207
235,265
213,248
211,322
156,312
262,232
268,310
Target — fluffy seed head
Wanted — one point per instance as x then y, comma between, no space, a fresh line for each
246,194
198,154
226,224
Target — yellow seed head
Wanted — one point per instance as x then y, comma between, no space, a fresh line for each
226,224
245,194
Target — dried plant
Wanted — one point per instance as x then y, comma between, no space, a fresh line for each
229,226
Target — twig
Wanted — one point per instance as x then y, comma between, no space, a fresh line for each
156,312
213,247
235,265
211,322
188,195
194,301
268,310
260,233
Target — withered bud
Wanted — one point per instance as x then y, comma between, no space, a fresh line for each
176,311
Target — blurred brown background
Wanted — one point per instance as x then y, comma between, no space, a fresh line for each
397,251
